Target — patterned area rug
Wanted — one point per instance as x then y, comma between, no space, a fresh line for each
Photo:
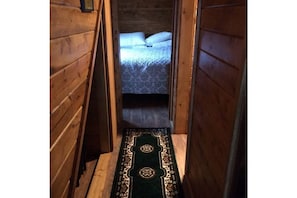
146,165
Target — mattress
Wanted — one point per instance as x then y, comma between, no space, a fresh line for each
145,70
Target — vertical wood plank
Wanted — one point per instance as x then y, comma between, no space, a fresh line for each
111,73
185,62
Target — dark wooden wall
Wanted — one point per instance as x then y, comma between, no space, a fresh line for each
220,59
146,16
72,38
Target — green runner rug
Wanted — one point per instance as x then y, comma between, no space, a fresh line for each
146,165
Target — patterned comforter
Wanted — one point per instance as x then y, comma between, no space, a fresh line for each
145,70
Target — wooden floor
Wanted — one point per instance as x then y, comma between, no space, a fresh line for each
145,111
139,112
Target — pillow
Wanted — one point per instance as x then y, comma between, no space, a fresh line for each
158,37
132,39
163,44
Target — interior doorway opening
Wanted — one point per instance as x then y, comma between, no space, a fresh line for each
144,109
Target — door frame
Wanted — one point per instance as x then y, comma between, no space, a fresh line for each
173,66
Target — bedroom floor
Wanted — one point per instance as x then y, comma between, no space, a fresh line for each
138,111
149,110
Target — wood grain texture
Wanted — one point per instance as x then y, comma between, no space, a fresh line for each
72,35
220,3
110,70
128,4
69,3
141,111
100,176
222,20
179,142
85,179
145,16
74,3
63,145
218,70
63,82
77,160
59,183
62,116
65,21
117,69
185,64
139,27
66,190
98,127
224,47
223,74
66,50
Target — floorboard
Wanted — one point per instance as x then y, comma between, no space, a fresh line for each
139,111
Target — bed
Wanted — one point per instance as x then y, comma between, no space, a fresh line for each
145,62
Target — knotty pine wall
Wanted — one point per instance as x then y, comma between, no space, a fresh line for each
145,16
72,38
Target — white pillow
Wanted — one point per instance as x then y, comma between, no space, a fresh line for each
158,37
163,44
132,39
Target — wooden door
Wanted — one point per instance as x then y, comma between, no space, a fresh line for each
220,55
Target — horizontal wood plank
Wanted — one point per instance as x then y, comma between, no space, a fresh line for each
59,182
212,120
211,3
148,29
62,116
130,4
209,149
215,106
63,82
224,75
146,16
63,145
222,20
74,3
200,176
71,3
66,50
226,48
65,21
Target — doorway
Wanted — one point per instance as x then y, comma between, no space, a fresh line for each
143,109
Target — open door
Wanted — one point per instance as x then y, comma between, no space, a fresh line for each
220,55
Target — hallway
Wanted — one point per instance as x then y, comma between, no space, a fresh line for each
138,111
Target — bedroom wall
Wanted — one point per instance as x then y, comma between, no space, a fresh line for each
72,37
146,16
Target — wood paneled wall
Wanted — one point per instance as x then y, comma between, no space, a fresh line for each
220,59
145,16
72,38
184,65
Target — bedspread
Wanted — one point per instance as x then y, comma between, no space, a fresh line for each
145,70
